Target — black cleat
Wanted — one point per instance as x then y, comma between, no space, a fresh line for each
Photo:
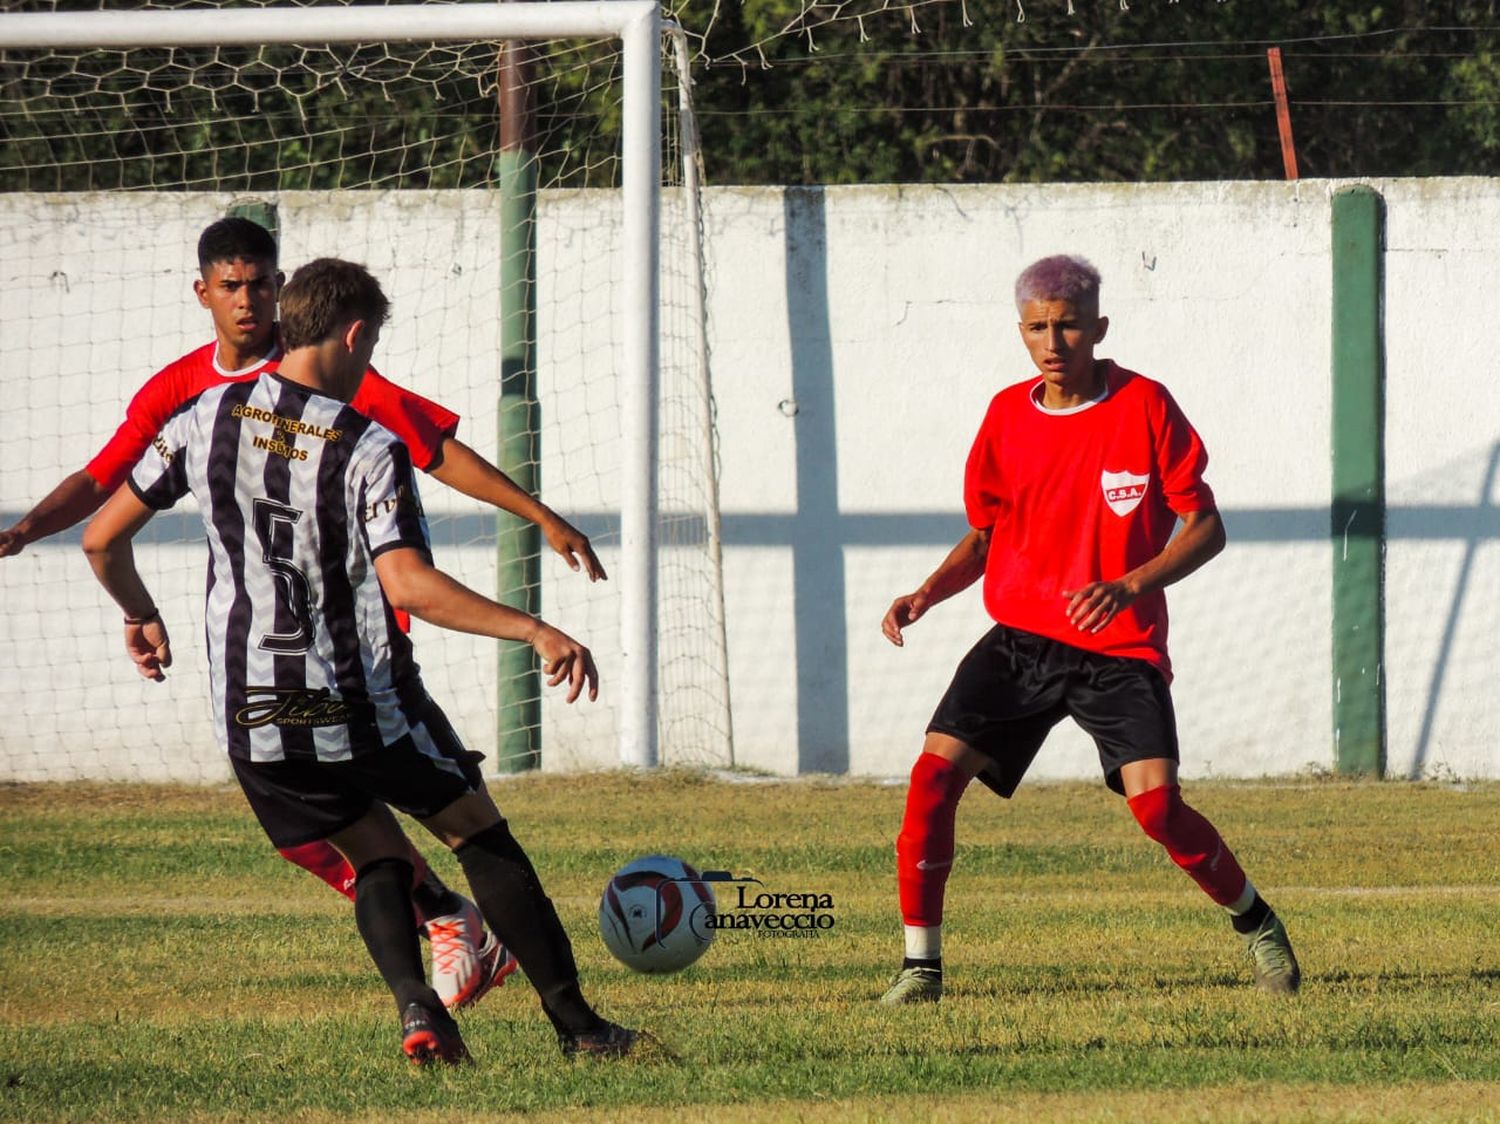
611,1041
431,1036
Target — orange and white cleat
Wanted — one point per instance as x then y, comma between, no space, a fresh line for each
495,963
456,939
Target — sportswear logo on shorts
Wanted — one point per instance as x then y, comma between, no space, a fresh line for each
1123,490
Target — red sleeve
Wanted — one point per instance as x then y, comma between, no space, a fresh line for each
148,411
421,424
981,474
1181,460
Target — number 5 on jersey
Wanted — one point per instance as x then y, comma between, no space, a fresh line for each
273,527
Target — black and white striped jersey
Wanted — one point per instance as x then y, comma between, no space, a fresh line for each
299,493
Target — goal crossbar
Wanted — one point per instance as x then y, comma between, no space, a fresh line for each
638,26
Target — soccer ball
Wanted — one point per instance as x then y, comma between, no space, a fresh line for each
657,914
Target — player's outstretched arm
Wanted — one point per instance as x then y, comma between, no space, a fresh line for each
961,569
1199,539
464,470
413,584
76,498
106,541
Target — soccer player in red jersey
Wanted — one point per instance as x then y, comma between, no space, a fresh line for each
238,284
1074,487
315,536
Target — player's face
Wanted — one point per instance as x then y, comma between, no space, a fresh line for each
240,295
1060,338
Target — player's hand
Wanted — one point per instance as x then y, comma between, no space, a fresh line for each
574,547
11,542
1096,604
564,658
904,611
150,648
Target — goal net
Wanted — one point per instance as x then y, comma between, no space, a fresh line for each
390,153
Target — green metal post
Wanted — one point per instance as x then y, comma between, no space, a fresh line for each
257,211
1358,483
518,541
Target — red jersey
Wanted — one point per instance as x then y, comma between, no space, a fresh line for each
1082,495
419,423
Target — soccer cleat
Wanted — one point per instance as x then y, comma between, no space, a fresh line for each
1270,952
431,1036
611,1042
456,939
495,963
914,985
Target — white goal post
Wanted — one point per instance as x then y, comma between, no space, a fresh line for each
638,26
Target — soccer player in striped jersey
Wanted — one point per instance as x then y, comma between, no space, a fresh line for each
1074,488
316,538
238,284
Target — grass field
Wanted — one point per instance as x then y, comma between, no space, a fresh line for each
159,962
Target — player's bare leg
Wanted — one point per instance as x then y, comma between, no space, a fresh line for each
1155,799
924,856
510,895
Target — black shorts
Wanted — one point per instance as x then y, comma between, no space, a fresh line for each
1014,686
301,800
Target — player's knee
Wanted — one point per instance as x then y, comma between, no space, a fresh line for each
383,871
1157,810
935,783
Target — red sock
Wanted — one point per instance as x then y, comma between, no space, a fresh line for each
924,849
323,859
328,863
1192,842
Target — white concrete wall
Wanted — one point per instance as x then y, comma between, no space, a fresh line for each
857,334
886,314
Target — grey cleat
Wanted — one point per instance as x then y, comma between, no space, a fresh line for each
914,985
1271,955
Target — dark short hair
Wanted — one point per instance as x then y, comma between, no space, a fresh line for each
235,239
1062,277
326,294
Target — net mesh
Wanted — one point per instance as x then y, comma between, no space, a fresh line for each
112,162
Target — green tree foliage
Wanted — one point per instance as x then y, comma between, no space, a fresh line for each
803,92
1161,91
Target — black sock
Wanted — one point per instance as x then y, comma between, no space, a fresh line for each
382,910
433,898
931,965
509,894
1251,919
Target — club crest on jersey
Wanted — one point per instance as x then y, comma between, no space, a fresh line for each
1123,490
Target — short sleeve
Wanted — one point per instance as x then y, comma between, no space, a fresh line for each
421,424
387,501
1182,460
144,417
982,476
160,478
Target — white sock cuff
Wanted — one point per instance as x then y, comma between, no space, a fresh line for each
1246,899
924,942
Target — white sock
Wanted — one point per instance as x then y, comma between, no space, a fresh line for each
1243,903
924,942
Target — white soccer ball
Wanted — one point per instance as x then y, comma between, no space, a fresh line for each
657,914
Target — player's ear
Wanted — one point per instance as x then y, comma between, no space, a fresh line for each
200,290
353,334
280,283
1100,327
